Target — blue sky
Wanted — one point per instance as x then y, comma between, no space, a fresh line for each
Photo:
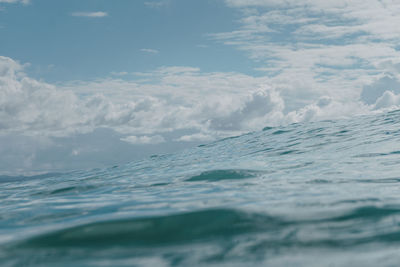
63,47
93,83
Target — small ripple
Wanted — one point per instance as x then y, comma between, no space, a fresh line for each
370,155
229,174
281,132
380,180
267,128
368,213
66,190
298,166
287,152
356,201
319,181
8,179
159,184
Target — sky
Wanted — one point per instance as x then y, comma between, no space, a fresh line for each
96,83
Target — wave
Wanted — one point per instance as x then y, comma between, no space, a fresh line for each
159,230
223,224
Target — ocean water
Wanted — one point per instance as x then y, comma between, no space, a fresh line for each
314,194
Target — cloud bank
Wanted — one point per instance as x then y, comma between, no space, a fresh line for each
211,105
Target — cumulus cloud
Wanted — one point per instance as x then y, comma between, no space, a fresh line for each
260,108
312,49
160,103
147,140
371,92
195,137
326,108
388,100
177,98
149,50
98,14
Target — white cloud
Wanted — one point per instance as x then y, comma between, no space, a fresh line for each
177,103
315,48
15,1
388,100
326,108
98,14
164,101
177,98
120,73
144,140
372,92
148,50
156,4
75,152
195,137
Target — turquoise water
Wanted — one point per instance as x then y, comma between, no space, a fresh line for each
313,194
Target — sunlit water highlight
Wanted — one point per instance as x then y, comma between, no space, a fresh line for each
314,194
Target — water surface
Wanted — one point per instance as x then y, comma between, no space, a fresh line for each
312,194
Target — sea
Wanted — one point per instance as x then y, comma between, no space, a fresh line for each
321,193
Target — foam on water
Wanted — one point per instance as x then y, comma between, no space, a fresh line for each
315,194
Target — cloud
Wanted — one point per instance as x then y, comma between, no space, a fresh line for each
156,4
195,137
312,49
372,92
262,107
202,46
165,100
326,108
175,104
15,1
388,100
183,103
98,14
148,50
144,140
120,73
